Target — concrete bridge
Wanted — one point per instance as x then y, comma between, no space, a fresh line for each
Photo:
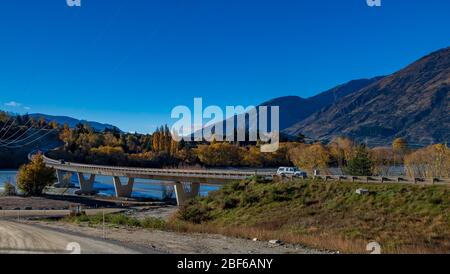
186,182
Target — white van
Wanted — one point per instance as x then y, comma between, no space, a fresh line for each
291,171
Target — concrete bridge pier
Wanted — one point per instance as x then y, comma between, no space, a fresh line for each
60,177
184,195
123,190
63,179
86,185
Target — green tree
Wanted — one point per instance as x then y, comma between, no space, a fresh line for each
9,189
360,164
35,176
301,138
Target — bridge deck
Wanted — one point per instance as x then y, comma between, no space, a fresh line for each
198,176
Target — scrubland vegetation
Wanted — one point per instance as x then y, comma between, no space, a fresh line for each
402,218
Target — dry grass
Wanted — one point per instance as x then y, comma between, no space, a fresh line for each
323,241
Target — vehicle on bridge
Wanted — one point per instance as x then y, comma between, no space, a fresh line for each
291,171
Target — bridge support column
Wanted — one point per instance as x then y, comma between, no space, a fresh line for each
123,190
60,177
64,178
86,185
183,195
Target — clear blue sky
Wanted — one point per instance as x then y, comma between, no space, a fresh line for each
130,62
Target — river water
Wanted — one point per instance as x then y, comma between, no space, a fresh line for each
142,188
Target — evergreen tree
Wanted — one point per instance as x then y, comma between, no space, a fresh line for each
360,164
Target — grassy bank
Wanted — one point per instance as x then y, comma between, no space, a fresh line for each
402,218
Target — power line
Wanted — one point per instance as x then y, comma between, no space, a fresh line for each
35,140
22,140
9,127
7,121
13,135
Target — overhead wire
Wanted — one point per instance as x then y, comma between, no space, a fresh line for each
33,141
18,131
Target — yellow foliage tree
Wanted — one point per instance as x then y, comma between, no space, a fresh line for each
310,157
432,161
400,145
341,150
35,176
219,154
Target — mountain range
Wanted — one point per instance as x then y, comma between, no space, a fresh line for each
294,109
72,122
413,103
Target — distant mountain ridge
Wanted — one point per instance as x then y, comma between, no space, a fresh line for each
294,109
72,122
413,103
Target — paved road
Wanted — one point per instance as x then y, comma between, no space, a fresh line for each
21,238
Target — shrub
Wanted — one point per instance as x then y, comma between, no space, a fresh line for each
229,203
9,189
153,223
249,199
120,219
194,212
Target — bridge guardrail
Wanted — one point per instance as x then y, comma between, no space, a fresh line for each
154,171
383,179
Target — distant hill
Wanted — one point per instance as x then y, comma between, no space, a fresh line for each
294,109
413,103
72,122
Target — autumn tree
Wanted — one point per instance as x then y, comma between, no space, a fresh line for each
310,157
220,154
162,141
35,176
383,160
400,145
400,149
341,150
431,161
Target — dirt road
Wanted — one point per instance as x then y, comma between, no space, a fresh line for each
167,242
20,233
23,238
